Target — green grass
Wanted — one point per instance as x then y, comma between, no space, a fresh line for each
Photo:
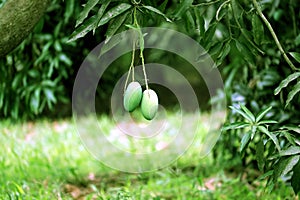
46,160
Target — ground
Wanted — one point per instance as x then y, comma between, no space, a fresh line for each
45,159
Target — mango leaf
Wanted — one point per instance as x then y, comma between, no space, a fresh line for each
82,30
190,23
295,181
241,113
267,122
200,23
163,5
260,155
244,50
257,29
284,166
292,128
115,25
262,113
265,175
245,140
235,125
286,81
293,150
100,14
271,136
152,9
248,112
115,11
296,56
181,9
295,90
35,101
84,13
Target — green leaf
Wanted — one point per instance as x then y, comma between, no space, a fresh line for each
295,90
245,140
241,113
292,128
290,151
200,23
295,181
115,25
296,56
190,23
100,14
163,5
265,175
271,136
181,9
284,166
49,95
209,33
248,112
82,30
35,100
260,155
235,125
262,113
157,12
257,29
115,11
267,122
84,13
286,81
244,50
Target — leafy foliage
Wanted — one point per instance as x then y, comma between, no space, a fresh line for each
258,58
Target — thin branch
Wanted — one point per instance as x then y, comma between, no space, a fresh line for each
262,16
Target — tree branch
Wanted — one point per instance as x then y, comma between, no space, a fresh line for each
17,19
262,16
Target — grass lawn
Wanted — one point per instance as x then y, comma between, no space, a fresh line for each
46,160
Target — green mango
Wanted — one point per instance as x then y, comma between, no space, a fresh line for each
149,105
132,96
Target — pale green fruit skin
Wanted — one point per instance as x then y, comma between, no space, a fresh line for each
132,96
149,104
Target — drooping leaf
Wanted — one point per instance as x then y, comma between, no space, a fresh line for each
82,30
115,25
235,125
155,10
296,56
245,140
244,50
262,113
293,150
35,101
260,155
190,23
257,29
286,81
295,181
84,13
100,14
200,23
292,93
113,12
181,9
271,136
285,165
163,5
